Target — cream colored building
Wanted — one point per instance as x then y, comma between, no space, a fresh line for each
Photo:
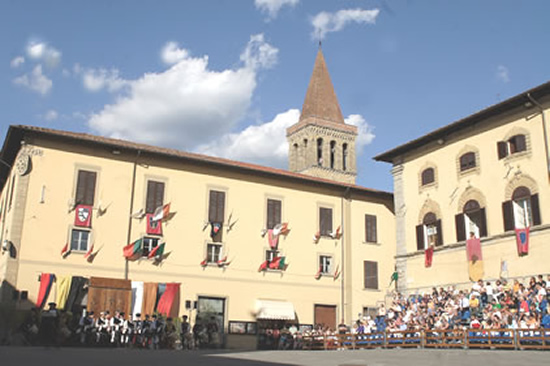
488,174
55,171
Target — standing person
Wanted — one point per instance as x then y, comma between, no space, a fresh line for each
213,332
49,324
185,333
197,330
116,323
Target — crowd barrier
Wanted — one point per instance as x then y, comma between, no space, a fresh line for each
518,339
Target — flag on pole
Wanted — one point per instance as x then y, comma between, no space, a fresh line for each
272,239
161,212
522,241
277,263
316,237
89,252
204,263
428,257
133,250
263,266
222,262
336,234
319,273
83,216
157,251
154,227
215,228
394,277
337,272
65,251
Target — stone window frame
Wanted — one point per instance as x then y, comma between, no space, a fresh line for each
515,131
433,184
474,170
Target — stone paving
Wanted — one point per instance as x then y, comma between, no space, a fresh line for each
22,356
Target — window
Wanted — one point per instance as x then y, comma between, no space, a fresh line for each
370,275
216,211
80,240
148,245
332,153
344,157
325,221
471,220
428,176
155,196
515,144
213,252
522,211
85,188
370,229
325,264
273,213
271,254
467,161
429,232
320,151
12,188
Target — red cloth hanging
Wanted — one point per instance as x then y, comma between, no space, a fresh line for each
168,304
46,280
428,257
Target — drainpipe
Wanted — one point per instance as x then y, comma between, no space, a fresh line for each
129,236
342,255
544,132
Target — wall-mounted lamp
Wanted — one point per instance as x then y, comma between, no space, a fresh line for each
6,244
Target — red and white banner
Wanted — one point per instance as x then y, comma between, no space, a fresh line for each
83,216
473,250
522,240
154,227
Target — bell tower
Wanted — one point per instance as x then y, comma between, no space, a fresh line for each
321,144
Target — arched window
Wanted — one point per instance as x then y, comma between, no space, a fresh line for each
467,161
429,232
305,142
522,210
428,176
344,157
471,220
513,145
320,151
332,153
296,156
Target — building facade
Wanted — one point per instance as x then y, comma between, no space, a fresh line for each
485,176
71,204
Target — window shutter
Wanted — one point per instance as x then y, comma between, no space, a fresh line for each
439,241
370,274
325,224
535,211
502,148
85,188
460,228
273,213
155,196
508,215
370,228
520,143
216,209
483,223
420,237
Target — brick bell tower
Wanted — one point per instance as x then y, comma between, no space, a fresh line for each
321,144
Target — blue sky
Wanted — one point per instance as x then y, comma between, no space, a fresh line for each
228,77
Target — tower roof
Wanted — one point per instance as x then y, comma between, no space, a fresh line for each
321,101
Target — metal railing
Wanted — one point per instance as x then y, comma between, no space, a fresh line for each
518,339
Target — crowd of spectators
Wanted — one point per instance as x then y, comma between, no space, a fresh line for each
487,304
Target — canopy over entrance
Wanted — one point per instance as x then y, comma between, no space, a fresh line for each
275,310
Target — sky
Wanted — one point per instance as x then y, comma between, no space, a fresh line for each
227,77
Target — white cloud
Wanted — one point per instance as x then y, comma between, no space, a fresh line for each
258,53
272,7
264,144
503,74
364,131
17,61
51,115
325,22
186,105
35,81
172,53
43,52
96,79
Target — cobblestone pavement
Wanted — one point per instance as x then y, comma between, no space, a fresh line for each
22,356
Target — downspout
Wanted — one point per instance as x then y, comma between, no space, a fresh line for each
342,255
130,218
544,132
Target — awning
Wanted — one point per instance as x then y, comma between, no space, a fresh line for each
275,310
